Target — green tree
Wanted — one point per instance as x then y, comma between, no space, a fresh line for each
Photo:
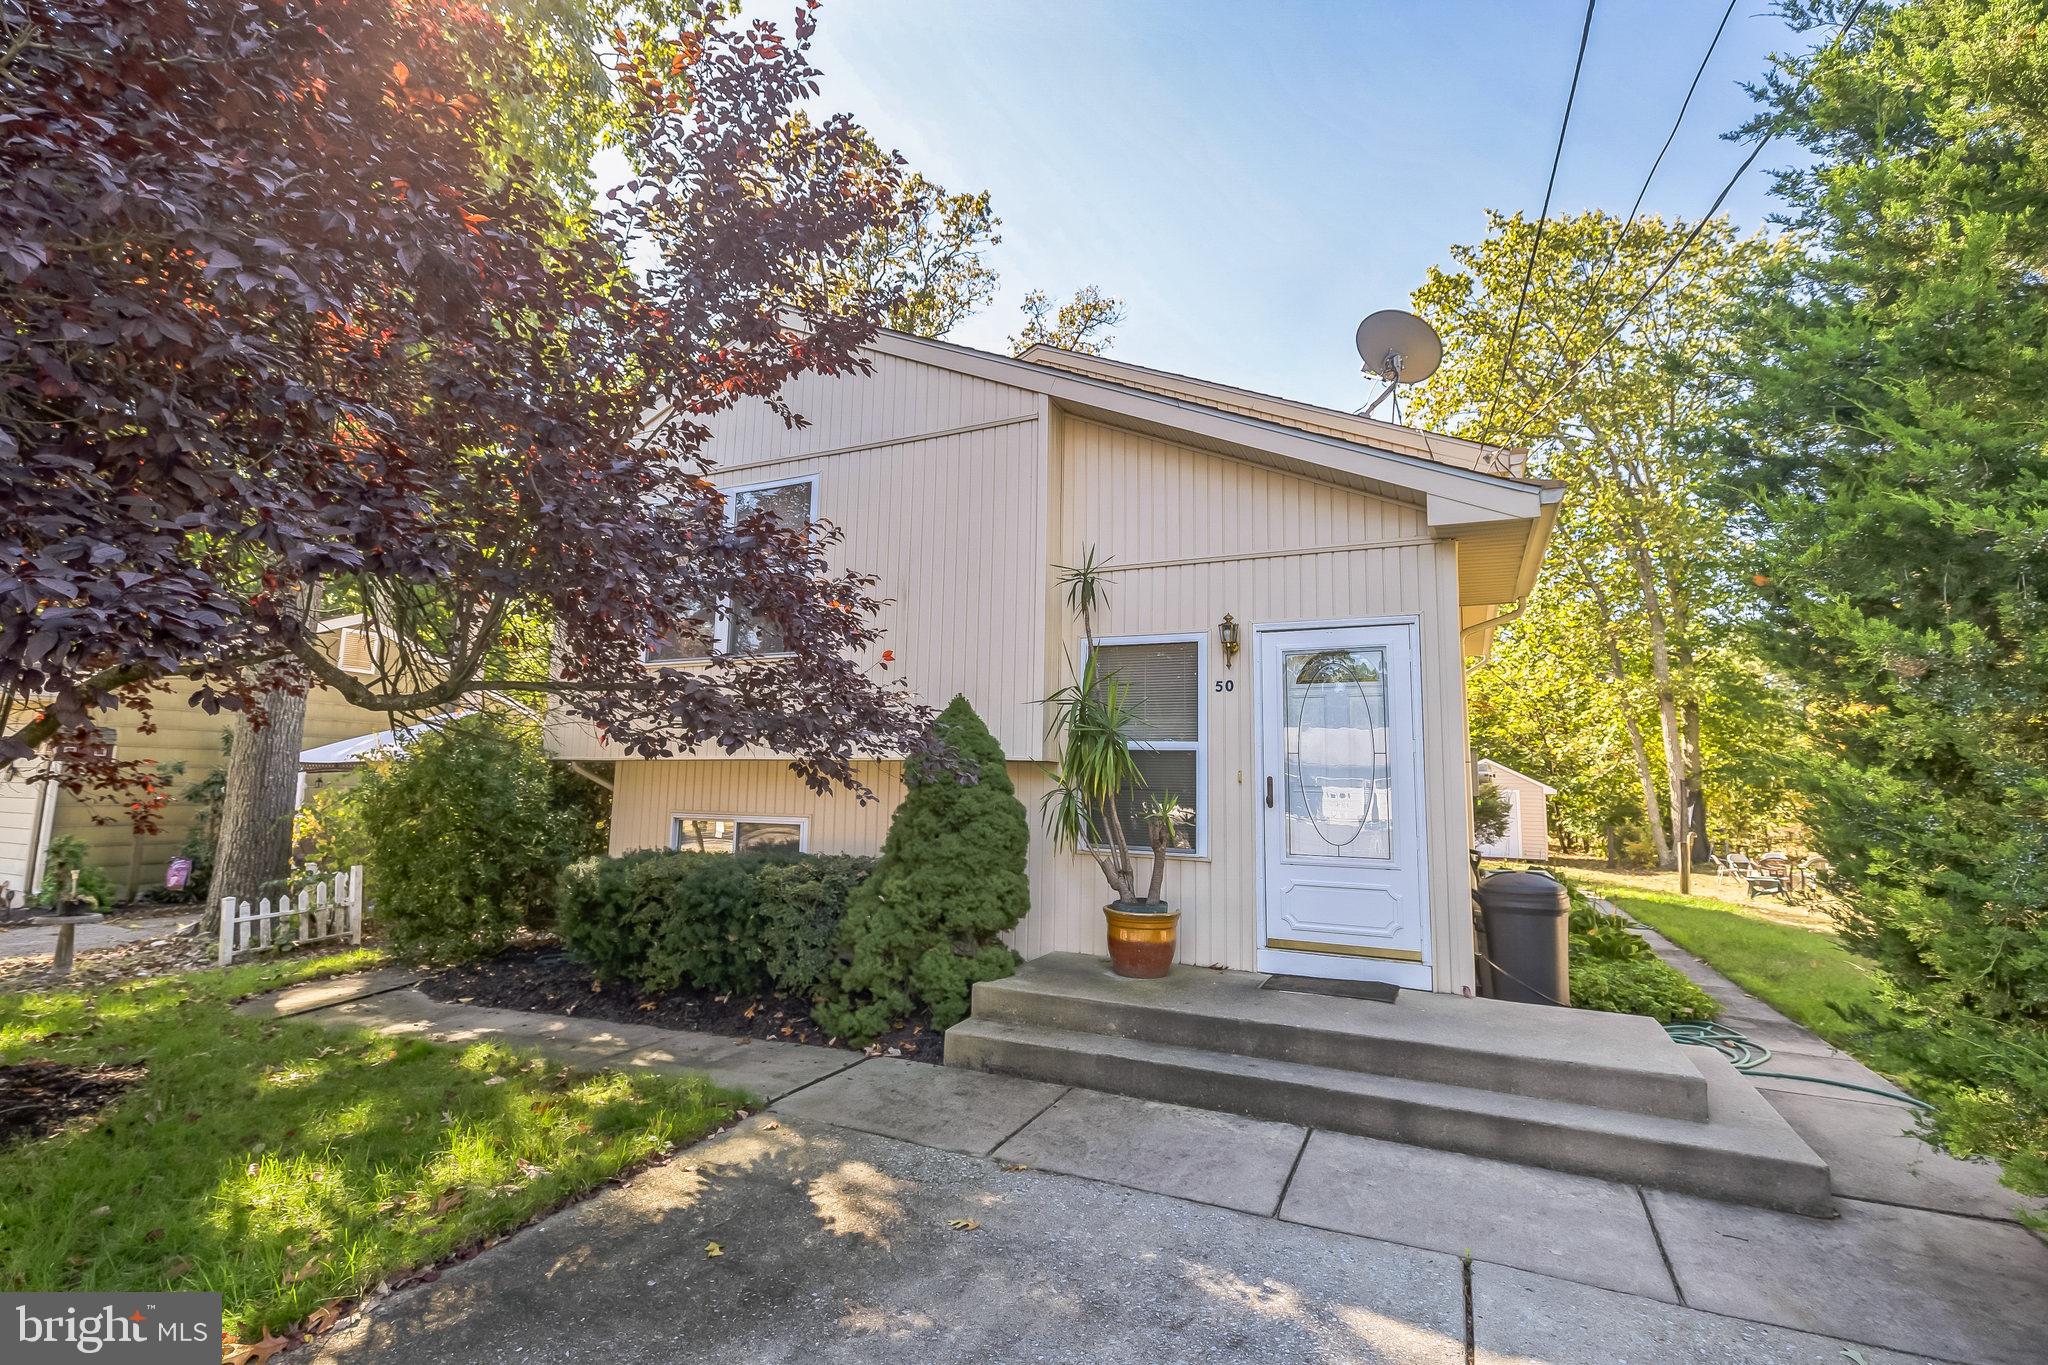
1639,569
1894,451
1081,324
930,259
923,929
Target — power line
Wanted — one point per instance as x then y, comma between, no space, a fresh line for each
1642,192
1507,359
1685,245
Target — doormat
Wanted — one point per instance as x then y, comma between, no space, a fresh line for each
1349,990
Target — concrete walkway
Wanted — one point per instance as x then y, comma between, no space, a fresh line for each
1110,1229
40,940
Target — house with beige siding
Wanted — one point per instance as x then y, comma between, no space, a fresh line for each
1361,563
185,745
1528,829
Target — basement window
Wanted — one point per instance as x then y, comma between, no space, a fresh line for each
737,834
1163,677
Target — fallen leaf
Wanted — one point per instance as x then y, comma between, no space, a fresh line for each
495,1080
452,1199
304,1272
713,1249
103,1210
153,1235
1015,1166
531,1171
323,1318
962,1224
176,1268
770,1127
260,1351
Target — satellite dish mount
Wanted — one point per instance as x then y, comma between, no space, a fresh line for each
1399,348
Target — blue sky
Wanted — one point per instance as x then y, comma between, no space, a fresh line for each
1253,178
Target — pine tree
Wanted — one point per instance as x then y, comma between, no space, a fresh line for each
923,929
1897,474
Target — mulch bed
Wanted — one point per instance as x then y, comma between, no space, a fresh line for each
549,981
38,1098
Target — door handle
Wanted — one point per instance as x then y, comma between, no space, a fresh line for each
1269,793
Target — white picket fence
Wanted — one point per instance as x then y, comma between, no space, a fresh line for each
332,908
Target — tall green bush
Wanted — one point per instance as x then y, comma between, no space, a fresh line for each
923,929
468,834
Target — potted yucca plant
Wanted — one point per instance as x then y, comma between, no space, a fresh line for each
1090,722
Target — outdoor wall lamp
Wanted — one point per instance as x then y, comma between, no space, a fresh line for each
1227,635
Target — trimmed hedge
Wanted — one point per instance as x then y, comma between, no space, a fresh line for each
711,921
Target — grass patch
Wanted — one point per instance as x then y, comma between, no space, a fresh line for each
1807,976
287,1164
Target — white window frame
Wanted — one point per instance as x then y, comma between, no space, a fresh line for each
1200,744
802,823
721,619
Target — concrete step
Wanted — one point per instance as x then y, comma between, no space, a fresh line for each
1609,1061
1743,1151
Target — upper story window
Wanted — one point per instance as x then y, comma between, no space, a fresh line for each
1162,680
732,629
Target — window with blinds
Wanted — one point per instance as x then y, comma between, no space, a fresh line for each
1161,681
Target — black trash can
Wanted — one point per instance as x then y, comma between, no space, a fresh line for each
1526,916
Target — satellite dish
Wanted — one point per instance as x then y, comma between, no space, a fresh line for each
1401,349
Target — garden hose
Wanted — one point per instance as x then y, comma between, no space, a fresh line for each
1749,1056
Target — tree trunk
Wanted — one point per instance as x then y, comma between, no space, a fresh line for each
1695,770
253,840
1653,811
253,845
1679,806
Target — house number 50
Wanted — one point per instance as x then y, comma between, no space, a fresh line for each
1226,685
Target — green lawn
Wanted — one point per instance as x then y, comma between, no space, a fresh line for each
1807,976
288,1165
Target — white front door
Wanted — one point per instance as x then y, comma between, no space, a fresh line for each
1342,889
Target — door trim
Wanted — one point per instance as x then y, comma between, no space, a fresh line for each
1354,962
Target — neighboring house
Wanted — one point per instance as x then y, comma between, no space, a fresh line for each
186,735
24,826
1528,832
1326,761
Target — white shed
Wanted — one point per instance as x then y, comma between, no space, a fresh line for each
1528,831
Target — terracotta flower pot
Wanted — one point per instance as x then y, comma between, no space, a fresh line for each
1141,941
